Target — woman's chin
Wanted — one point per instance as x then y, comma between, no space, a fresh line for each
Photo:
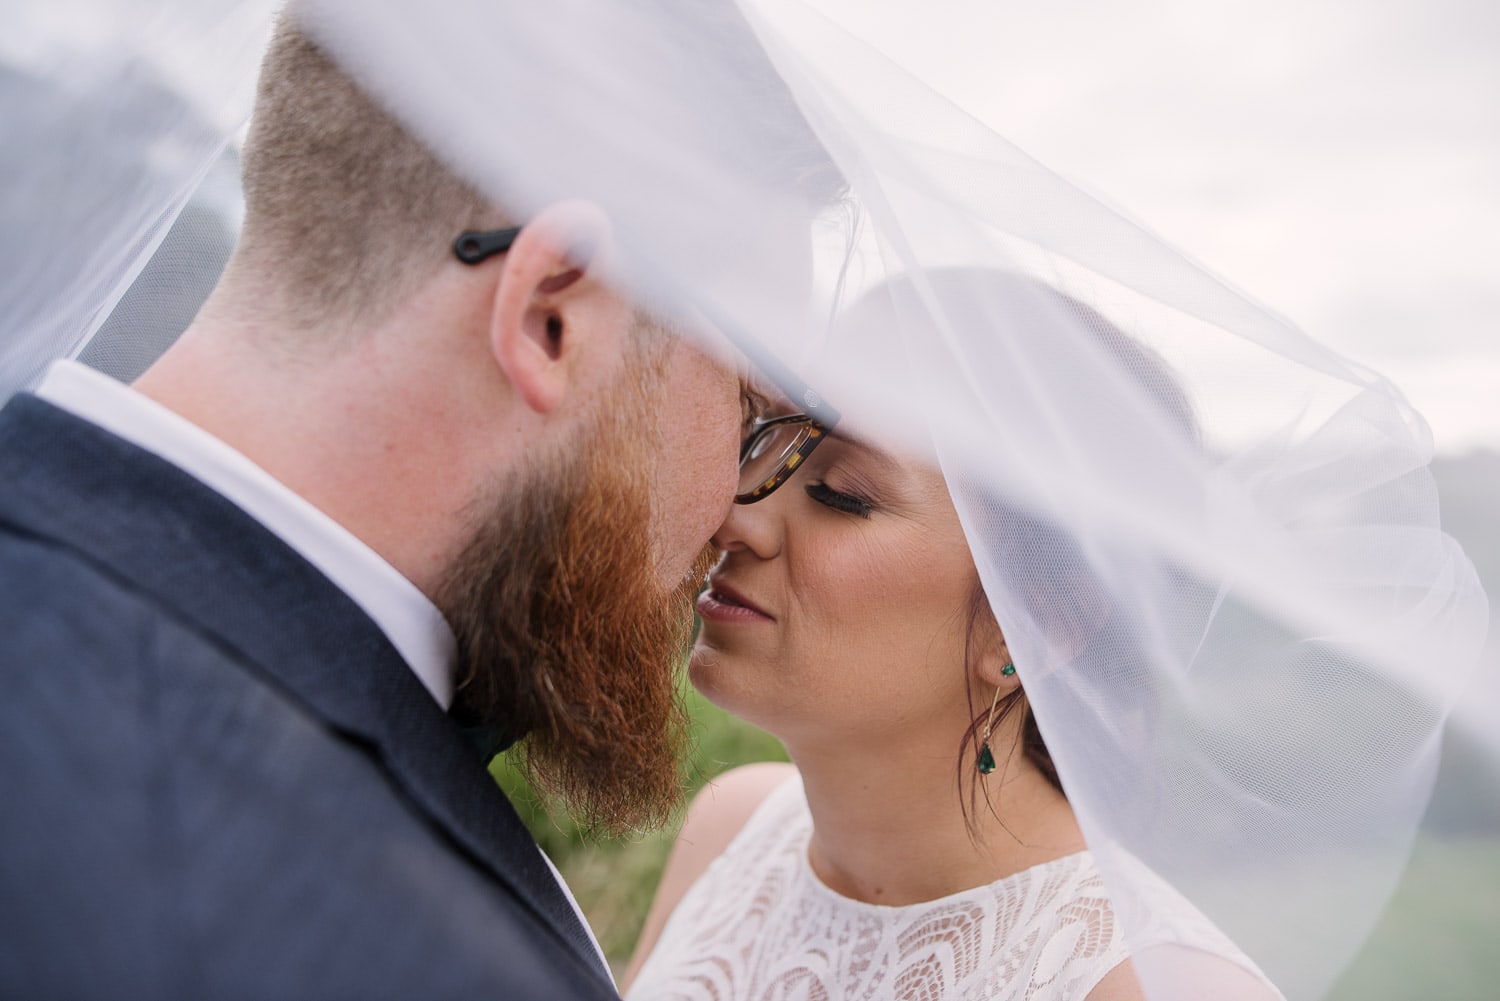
712,653
713,674
704,664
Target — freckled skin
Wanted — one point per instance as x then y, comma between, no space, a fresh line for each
699,421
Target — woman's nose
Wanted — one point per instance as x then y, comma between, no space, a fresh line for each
756,528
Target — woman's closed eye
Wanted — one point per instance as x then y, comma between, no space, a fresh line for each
839,500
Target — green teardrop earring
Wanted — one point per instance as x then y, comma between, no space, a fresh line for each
986,763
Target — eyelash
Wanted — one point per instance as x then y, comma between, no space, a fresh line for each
839,501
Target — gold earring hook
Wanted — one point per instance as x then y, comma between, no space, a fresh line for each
989,723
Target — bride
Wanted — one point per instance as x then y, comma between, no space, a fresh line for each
922,845
1241,667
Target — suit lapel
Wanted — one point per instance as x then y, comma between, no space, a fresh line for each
149,523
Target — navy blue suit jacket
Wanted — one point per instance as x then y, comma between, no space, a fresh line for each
217,777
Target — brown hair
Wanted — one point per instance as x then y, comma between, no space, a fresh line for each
339,194
980,628
354,212
1071,607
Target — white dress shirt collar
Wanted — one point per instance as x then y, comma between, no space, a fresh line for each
409,620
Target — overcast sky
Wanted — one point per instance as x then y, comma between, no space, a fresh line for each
1339,161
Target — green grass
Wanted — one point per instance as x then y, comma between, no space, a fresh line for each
1440,938
614,880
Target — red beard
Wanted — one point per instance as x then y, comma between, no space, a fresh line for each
566,637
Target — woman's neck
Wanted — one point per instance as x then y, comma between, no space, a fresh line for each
889,827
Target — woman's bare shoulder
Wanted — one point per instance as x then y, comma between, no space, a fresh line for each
722,807
718,812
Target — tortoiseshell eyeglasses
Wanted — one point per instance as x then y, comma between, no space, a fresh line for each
772,453
775,448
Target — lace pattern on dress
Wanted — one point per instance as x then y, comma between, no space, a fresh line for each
759,924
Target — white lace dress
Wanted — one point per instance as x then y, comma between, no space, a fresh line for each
760,925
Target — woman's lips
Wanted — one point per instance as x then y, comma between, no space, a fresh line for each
721,603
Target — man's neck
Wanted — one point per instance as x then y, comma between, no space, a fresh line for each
332,432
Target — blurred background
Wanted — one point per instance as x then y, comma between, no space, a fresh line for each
1340,162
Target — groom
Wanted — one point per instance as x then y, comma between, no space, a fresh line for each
376,502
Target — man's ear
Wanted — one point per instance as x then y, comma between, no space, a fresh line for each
548,289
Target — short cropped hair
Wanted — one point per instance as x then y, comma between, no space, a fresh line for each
349,213
350,206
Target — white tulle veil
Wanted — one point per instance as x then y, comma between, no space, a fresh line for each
1216,553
